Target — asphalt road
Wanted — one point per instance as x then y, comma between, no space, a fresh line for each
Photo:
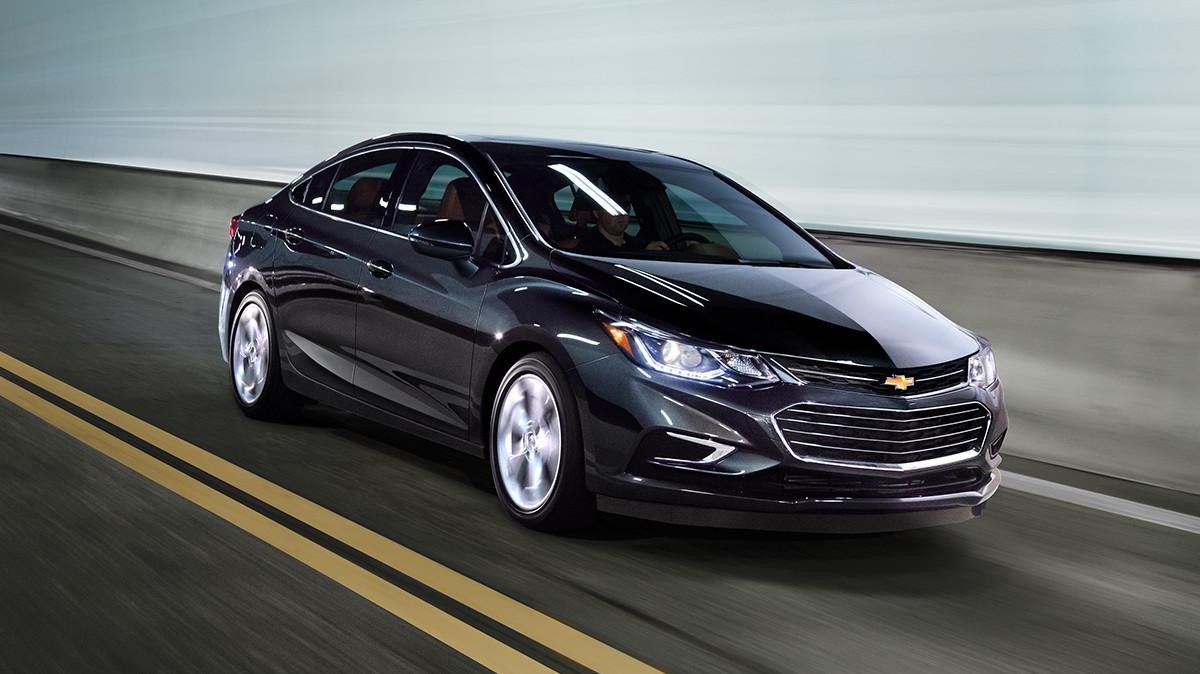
102,569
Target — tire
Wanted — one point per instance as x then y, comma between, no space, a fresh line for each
533,411
254,368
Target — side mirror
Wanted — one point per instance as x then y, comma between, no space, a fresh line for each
446,239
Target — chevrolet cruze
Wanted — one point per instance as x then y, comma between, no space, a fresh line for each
613,329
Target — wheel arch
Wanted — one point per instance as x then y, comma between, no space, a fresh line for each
233,291
505,359
235,300
501,365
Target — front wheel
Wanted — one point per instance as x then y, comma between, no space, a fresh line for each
254,364
536,448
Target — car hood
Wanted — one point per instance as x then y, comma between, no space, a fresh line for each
836,314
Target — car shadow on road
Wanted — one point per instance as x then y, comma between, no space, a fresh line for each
403,446
936,561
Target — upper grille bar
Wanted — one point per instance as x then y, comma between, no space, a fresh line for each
926,379
854,416
894,430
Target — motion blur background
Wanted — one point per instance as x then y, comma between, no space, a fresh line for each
1065,125
1061,124
1033,167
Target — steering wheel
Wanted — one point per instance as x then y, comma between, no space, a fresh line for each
681,241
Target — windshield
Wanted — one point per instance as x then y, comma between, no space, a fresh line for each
651,209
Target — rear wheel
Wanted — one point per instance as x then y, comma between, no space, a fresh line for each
254,363
536,449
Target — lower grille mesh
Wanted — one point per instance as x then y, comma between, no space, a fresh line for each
879,435
875,486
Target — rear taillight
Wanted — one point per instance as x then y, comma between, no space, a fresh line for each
233,222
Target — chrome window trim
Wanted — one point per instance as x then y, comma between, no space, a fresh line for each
516,201
901,467
512,241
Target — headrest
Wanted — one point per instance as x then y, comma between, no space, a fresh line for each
463,200
363,194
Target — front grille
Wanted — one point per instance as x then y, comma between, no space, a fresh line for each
878,435
872,379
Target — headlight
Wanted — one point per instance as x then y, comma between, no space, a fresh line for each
666,353
981,368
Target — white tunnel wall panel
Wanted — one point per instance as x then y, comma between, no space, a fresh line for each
1050,124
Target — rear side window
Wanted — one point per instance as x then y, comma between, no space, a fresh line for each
298,191
313,190
362,188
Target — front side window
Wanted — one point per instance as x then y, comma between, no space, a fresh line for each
439,187
656,209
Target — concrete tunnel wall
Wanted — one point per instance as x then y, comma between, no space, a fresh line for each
1047,123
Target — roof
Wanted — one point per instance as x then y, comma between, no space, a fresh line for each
515,146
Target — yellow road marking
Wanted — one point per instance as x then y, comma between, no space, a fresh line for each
557,636
438,624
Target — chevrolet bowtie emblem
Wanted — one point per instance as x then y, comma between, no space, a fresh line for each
900,381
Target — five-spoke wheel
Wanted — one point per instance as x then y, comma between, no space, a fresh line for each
536,451
254,363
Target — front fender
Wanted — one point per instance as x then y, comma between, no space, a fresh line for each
526,313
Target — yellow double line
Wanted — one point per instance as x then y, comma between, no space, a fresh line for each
470,641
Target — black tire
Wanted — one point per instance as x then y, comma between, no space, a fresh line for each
570,506
274,402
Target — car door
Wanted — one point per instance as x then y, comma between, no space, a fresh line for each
326,239
417,323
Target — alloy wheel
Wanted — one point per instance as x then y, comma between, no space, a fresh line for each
528,442
251,354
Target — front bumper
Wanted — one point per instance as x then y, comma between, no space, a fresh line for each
223,310
862,515
749,477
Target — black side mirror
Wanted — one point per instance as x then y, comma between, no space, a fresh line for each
446,239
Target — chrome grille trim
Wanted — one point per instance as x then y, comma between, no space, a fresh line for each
852,416
873,451
895,430
851,437
883,445
871,378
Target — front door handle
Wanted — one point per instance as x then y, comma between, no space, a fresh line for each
380,268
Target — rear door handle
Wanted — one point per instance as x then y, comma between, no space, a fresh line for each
292,236
380,268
